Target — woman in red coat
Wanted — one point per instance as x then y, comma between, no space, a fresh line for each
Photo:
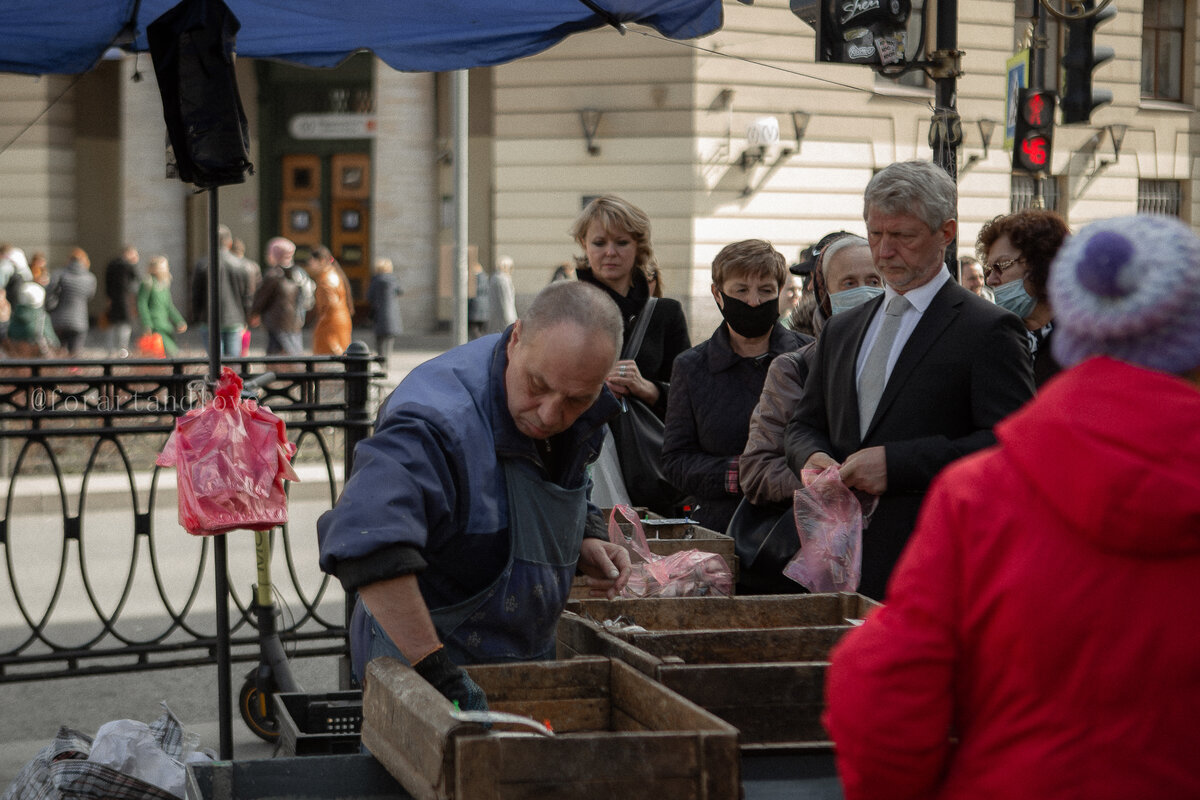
1040,636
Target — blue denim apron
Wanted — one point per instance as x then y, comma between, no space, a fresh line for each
516,617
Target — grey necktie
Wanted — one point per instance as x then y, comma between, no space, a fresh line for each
874,373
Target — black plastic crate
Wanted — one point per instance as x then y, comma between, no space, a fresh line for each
319,724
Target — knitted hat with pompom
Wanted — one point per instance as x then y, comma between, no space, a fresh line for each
1129,288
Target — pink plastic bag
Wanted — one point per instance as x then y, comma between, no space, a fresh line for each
688,573
830,521
232,457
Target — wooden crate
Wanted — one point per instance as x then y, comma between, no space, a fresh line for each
666,537
757,662
749,611
618,734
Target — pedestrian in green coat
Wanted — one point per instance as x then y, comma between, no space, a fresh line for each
156,308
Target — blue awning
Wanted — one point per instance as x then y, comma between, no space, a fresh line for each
70,36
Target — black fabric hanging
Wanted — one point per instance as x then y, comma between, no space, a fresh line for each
192,47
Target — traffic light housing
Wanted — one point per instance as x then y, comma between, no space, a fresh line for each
1033,142
874,34
1080,60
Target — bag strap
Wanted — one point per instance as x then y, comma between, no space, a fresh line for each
639,330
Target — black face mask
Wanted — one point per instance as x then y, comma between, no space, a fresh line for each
747,320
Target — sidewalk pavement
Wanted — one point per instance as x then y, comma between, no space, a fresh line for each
33,710
409,350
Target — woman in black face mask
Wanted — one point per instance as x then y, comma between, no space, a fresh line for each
716,384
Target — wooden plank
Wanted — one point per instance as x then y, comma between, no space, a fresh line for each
406,726
565,716
757,646
756,611
653,705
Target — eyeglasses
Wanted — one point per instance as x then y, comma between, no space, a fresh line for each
1000,267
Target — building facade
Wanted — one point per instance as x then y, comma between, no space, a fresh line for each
361,157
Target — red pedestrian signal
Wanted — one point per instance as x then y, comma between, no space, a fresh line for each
1034,137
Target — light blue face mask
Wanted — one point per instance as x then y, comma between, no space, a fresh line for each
1012,295
848,299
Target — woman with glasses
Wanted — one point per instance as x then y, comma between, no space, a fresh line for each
1016,250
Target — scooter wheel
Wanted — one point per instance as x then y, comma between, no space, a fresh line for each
257,712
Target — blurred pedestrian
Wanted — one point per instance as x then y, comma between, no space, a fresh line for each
283,299
234,296
477,302
383,304
121,281
564,271
333,304
67,298
502,303
30,334
157,309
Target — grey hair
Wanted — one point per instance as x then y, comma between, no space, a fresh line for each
579,304
916,187
850,240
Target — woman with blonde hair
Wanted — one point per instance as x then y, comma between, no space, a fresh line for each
615,237
156,308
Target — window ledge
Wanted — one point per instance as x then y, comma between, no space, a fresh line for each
1150,104
891,88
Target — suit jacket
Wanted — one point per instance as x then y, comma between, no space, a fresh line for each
965,367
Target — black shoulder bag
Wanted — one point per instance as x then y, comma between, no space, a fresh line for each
638,434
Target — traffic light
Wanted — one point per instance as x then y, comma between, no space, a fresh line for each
1080,61
1034,136
871,33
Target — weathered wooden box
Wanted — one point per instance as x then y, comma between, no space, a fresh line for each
757,662
617,734
666,537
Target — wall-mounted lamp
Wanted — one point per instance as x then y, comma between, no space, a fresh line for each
722,101
761,134
800,121
986,128
589,118
1116,132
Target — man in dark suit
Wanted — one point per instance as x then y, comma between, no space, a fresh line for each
949,366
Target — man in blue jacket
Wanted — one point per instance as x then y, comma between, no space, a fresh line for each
466,514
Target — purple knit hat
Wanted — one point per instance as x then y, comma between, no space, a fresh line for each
1129,288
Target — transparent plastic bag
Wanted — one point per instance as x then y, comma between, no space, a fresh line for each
687,573
830,519
232,457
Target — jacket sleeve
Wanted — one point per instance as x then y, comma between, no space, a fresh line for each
263,296
763,470
402,493
1001,382
890,687
684,463
807,430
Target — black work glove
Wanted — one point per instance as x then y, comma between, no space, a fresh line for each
452,681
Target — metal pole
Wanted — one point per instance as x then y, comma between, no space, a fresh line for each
946,100
459,99
220,558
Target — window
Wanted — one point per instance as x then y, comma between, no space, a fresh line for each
1160,197
1022,19
1021,194
1162,49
